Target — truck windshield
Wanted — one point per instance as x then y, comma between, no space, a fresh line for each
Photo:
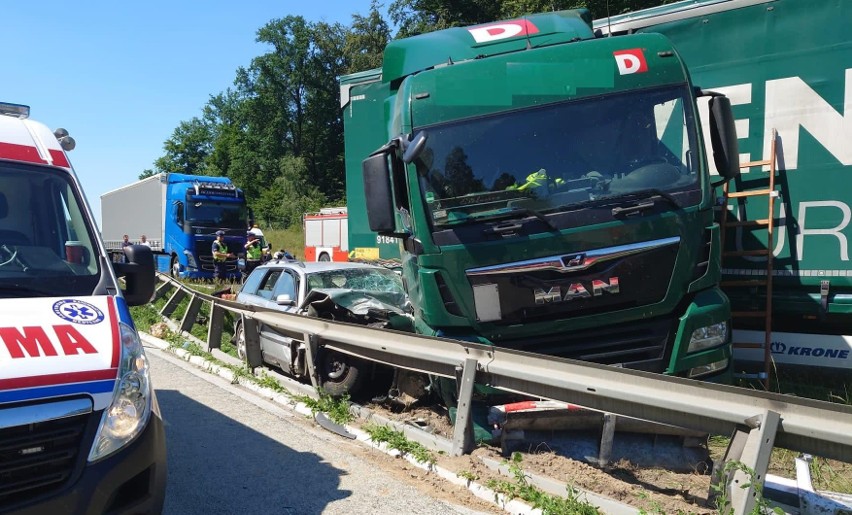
212,213
46,243
549,158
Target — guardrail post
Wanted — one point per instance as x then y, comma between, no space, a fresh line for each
607,436
748,452
463,430
215,327
161,291
252,339
311,346
190,316
173,303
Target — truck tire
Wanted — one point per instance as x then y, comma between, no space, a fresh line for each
324,257
174,267
340,374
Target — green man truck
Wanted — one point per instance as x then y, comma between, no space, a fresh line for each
546,190
785,65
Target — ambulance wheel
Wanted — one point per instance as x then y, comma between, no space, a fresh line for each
324,257
340,374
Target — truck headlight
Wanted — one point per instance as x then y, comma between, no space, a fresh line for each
127,415
708,336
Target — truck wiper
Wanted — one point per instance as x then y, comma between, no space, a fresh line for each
515,212
644,206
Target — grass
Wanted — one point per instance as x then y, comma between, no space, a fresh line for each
337,409
397,440
519,487
292,240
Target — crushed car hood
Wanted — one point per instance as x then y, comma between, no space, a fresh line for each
370,308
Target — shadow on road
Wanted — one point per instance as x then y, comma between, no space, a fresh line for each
223,466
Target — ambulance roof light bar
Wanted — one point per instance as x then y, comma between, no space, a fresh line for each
16,110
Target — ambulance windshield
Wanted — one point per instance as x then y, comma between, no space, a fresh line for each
46,246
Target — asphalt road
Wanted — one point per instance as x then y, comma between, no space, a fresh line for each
231,452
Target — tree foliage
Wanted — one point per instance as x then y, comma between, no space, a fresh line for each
278,132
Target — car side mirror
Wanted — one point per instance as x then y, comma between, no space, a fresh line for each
285,300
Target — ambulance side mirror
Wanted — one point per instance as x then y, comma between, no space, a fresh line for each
139,274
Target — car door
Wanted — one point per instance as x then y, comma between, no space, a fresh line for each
274,343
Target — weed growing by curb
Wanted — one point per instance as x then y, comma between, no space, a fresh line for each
720,489
397,440
337,409
548,504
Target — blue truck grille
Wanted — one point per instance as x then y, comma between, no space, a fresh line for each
38,459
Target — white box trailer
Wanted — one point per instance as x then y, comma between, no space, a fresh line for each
134,210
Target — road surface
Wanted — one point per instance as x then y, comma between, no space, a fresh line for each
231,452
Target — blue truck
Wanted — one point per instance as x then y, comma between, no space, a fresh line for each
179,214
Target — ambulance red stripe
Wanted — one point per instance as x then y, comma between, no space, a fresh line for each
21,153
116,335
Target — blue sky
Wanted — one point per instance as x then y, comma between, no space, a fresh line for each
120,77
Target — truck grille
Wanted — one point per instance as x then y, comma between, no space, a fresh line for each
641,346
38,458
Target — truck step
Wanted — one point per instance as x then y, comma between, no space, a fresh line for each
747,345
748,223
756,252
745,282
748,314
752,193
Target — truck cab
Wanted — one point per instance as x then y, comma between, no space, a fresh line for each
79,419
548,191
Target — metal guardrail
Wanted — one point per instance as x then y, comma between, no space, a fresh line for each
757,420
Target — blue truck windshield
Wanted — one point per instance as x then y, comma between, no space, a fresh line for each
212,213
46,245
549,158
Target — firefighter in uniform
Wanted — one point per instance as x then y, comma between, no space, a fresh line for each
220,255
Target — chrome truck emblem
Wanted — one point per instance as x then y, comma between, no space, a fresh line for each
576,291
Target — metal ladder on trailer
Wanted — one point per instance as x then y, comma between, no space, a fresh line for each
764,282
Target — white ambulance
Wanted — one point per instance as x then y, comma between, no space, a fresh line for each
80,429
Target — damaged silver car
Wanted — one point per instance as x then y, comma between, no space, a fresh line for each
346,292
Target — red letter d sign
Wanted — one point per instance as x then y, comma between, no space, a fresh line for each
630,61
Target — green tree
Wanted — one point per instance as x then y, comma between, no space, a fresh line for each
366,39
187,149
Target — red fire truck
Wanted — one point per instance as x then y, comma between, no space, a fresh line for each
326,235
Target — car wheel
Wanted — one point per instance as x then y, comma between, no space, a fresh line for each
240,341
340,373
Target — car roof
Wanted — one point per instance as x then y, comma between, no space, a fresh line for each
321,266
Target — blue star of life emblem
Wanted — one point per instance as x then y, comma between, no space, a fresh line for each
78,312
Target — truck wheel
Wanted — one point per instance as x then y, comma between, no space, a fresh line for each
340,374
174,267
324,257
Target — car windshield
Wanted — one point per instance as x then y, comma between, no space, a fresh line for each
550,158
363,279
46,245
211,213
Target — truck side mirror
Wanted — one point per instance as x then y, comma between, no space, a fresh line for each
138,273
377,190
723,137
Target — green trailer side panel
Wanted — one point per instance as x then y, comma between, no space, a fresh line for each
364,131
785,64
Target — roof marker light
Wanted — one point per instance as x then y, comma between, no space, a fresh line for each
16,110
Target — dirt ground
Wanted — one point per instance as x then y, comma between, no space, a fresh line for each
653,490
